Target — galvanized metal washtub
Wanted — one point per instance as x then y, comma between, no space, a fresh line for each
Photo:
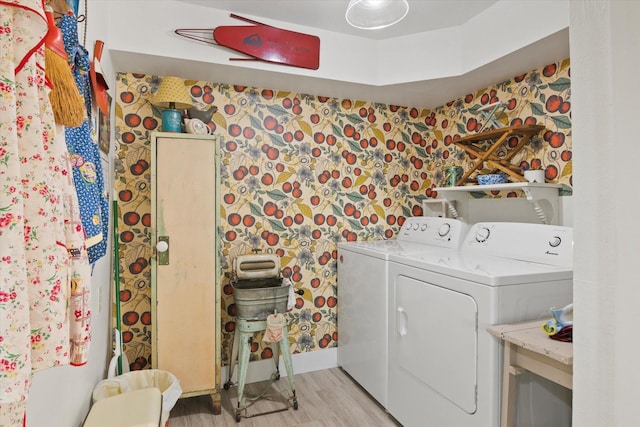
258,288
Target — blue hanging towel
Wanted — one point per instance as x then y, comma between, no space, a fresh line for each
83,151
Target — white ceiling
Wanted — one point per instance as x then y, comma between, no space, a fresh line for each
424,15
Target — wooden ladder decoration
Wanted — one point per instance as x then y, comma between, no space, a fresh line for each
501,135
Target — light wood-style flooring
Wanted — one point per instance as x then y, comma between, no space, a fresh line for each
325,398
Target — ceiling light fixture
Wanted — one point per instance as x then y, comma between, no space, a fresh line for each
376,14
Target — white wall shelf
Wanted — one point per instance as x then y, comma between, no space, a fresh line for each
543,197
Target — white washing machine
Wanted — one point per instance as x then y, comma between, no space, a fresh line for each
444,367
363,295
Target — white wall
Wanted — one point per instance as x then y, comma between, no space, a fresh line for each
605,94
342,58
497,32
61,396
423,70
425,56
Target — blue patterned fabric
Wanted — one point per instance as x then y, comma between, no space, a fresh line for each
83,151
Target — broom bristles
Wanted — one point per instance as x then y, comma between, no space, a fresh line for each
66,101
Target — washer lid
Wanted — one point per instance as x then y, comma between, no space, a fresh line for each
383,248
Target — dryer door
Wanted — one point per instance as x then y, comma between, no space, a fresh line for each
435,339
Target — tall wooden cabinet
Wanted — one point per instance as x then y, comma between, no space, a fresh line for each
185,265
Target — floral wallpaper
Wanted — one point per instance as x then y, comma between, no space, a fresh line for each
300,173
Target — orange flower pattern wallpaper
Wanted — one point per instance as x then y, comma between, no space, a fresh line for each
300,173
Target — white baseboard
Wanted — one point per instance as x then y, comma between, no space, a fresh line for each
261,370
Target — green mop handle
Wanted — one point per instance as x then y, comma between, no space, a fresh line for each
116,278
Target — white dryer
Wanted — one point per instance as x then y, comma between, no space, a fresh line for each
363,295
444,367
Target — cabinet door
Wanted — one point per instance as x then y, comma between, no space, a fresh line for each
185,323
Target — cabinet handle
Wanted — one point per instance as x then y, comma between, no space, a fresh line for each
162,248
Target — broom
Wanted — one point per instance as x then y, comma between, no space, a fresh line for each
119,364
66,101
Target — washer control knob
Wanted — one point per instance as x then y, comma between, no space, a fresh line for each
482,234
444,229
416,226
555,242
423,227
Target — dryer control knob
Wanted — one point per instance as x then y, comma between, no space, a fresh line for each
482,234
423,227
555,242
416,226
444,229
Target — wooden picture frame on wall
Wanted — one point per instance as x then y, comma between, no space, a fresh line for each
104,129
